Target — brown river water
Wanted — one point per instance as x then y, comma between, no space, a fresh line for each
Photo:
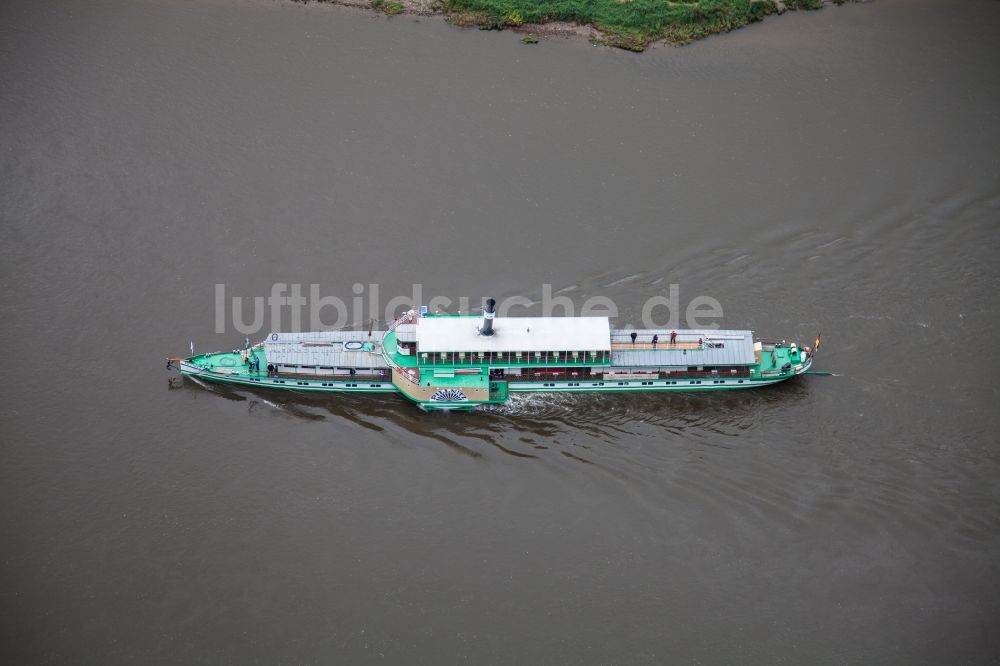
834,171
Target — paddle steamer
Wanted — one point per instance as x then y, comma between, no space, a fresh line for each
445,362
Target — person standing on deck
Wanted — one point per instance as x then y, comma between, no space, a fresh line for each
634,335
673,337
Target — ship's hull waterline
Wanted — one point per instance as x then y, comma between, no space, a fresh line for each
629,386
445,363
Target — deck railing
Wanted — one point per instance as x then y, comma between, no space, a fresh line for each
407,318
410,374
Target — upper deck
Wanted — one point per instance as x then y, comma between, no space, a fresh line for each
544,342
325,349
693,347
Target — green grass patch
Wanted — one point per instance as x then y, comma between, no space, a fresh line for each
485,20
627,24
390,7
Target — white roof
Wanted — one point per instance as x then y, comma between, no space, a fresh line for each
514,334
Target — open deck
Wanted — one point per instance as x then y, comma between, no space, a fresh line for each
650,345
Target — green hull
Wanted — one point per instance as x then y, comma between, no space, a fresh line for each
191,369
393,362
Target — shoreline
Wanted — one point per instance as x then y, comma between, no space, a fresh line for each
684,22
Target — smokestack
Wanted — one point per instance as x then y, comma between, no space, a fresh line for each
488,313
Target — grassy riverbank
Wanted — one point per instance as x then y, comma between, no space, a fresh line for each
628,24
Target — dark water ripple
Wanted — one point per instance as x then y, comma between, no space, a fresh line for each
832,171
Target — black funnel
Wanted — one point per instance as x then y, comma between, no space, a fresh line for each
488,313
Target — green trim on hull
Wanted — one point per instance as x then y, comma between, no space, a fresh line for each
449,406
445,387
639,387
317,386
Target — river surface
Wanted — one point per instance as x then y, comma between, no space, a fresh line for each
834,171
